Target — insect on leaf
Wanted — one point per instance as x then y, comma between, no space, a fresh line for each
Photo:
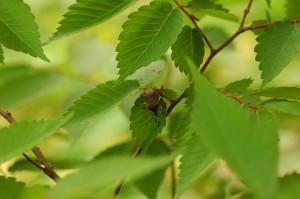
276,48
146,36
85,14
147,124
18,31
188,44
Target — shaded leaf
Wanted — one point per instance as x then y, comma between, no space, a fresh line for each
239,86
100,99
25,88
146,124
221,14
276,48
289,186
284,106
85,14
10,188
188,44
292,9
207,4
21,136
106,172
1,55
8,73
279,93
195,158
146,36
246,141
18,31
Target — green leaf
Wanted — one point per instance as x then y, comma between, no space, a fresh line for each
85,14
195,158
1,55
217,36
284,106
291,9
106,172
239,86
221,14
8,73
276,48
9,188
279,93
207,4
146,124
99,99
18,31
146,36
289,186
21,136
188,44
246,141
19,90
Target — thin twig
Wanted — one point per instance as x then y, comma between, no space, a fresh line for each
246,12
45,166
194,21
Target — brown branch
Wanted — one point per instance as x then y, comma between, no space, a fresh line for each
194,21
45,166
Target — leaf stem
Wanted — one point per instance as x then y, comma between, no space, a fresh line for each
45,166
194,21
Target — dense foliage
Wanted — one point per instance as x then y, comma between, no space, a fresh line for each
192,136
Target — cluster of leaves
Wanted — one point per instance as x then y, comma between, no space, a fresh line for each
232,123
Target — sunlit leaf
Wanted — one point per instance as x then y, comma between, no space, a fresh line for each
188,44
276,48
279,93
146,124
195,158
100,99
239,86
284,106
18,31
21,136
106,172
21,89
245,140
146,36
85,14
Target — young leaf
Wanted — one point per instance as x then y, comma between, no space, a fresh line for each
105,172
1,55
10,188
279,93
18,31
146,124
21,136
146,36
284,106
85,14
289,186
239,87
246,141
188,44
22,89
99,99
276,48
292,11
195,158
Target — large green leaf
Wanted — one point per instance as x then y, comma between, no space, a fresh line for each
283,106
1,55
289,186
238,87
21,136
188,44
18,31
276,48
279,93
292,11
106,172
146,124
245,140
195,158
85,14
20,89
99,99
146,36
